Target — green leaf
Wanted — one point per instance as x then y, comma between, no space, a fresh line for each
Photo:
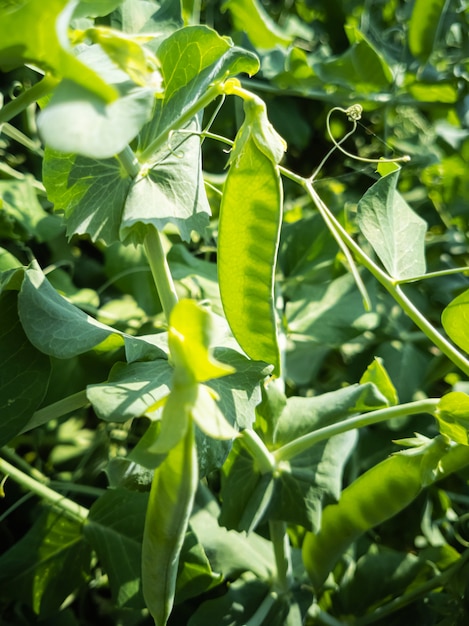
77,121
455,320
208,416
249,16
193,59
32,571
377,375
175,185
24,216
60,329
114,529
157,17
249,229
131,390
170,505
32,31
95,8
423,27
396,233
453,416
195,576
24,375
91,193
362,68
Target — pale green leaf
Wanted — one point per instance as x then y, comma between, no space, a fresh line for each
376,373
395,231
423,27
95,8
208,416
455,320
453,416
77,121
33,31
249,16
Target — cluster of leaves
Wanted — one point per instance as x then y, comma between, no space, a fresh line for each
208,359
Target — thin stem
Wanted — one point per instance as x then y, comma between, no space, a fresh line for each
71,509
438,274
296,447
129,162
160,271
390,285
57,409
282,553
258,450
263,610
213,92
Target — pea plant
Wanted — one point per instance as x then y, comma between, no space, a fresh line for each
233,302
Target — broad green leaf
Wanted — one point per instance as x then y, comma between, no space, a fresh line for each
455,320
396,233
32,571
95,8
195,576
232,553
22,216
192,60
453,416
381,573
208,416
157,17
169,507
376,373
78,121
24,375
7,262
114,530
191,330
32,31
60,329
329,313
362,68
92,193
423,27
131,390
249,16
175,186
249,229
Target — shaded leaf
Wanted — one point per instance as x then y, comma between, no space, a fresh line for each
396,233
455,318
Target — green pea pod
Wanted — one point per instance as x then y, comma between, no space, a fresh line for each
169,508
249,229
377,495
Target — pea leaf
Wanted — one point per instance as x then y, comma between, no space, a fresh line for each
423,27
249,16
454,319
114,530
32,570
60,329
396,233
376,373
78,121
32,31
452,414
25,374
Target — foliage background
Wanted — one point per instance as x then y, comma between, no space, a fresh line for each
406,63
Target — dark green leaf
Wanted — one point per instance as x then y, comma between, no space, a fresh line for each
423,27
24,375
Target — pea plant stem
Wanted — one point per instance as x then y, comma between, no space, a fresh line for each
153,247
69,508
258,450
282,553
160,271
389,284
292,449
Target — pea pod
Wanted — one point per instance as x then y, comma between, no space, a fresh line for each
249,230
377,495
169,507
